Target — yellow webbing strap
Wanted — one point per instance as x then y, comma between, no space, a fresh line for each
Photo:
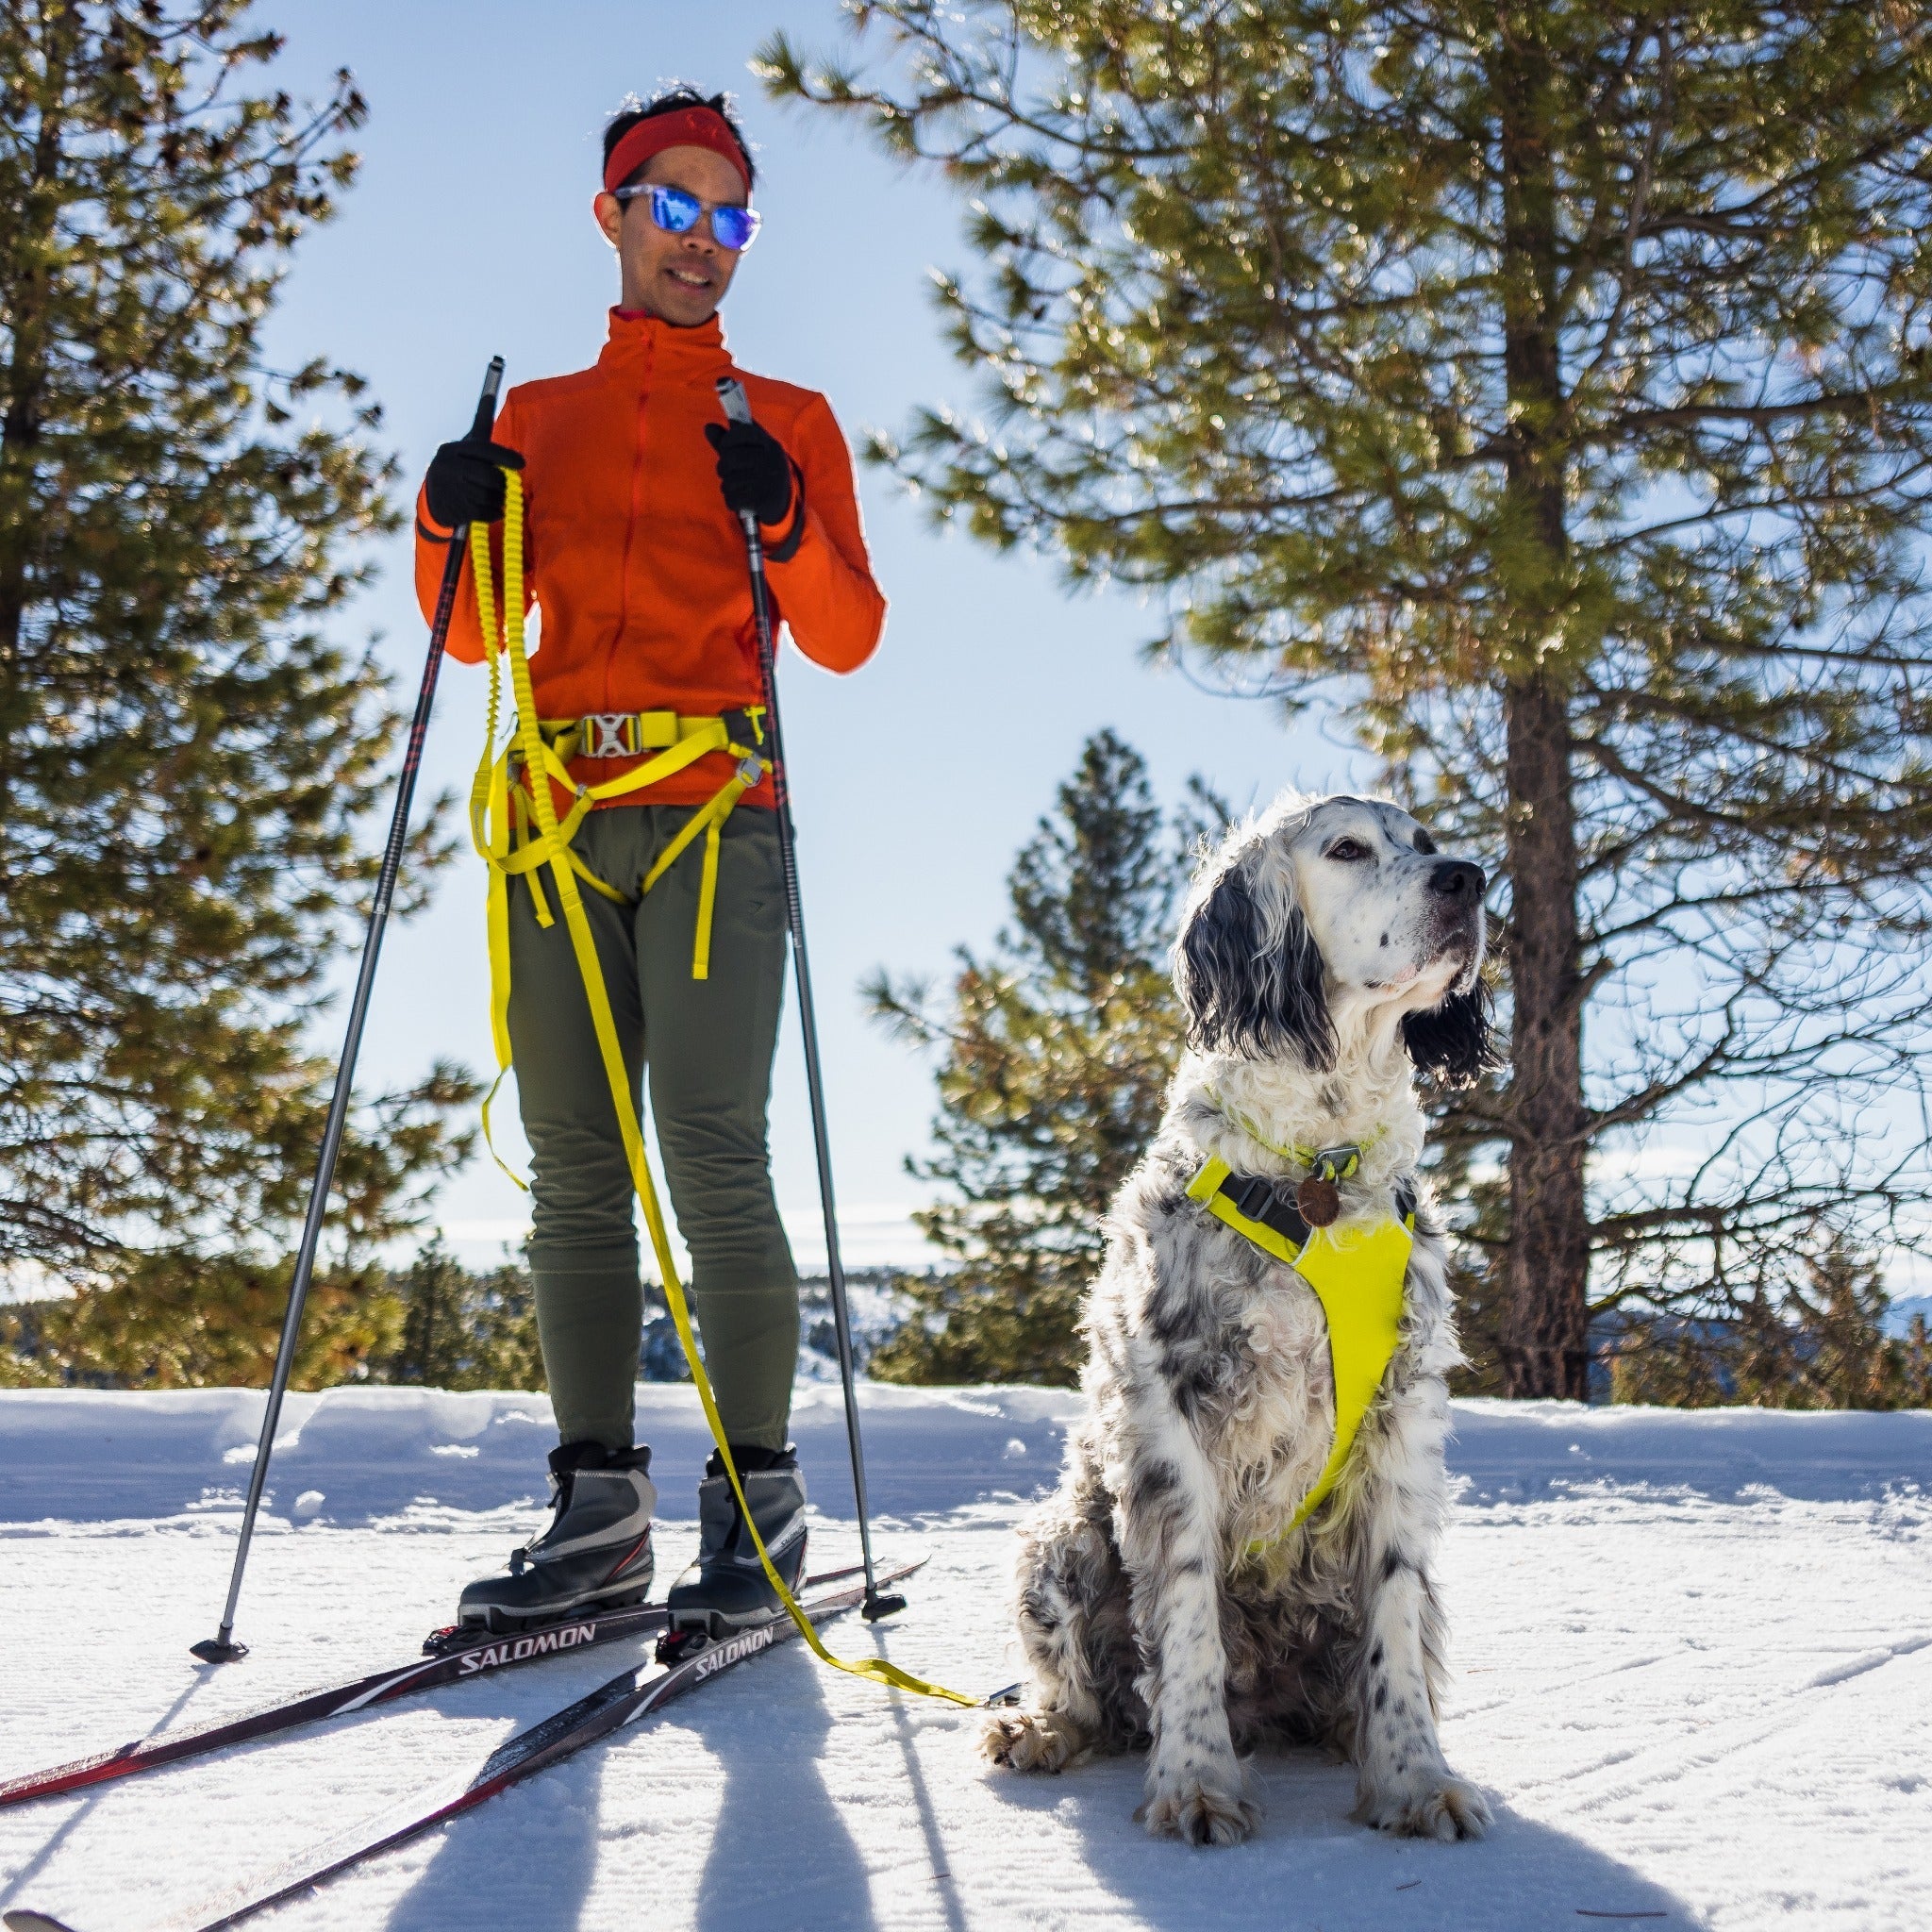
710,820
565,882
1357,1273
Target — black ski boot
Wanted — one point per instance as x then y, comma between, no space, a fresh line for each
596,1553
727,1588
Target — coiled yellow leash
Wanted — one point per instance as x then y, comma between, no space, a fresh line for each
551,847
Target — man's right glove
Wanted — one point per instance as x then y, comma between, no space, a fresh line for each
465,481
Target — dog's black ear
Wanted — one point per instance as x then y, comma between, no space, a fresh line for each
1244,995
1451,1040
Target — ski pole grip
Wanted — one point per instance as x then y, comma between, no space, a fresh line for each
738,410
731,393
486,403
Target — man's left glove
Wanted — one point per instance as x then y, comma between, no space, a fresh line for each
753,470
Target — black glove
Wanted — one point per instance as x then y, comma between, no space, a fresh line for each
753,470
465,481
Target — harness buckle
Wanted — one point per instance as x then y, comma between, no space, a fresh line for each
603,735
751,769
1253,1194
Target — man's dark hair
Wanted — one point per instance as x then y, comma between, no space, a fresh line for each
671,101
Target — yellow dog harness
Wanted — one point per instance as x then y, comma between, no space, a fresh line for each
544,840
1357,1270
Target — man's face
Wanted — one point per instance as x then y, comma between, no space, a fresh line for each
679,279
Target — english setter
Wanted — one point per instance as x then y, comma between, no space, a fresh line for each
1164,1598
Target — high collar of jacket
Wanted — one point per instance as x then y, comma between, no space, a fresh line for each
639,342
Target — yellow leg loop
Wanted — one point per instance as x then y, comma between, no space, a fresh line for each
707,900
602,887
710,820
875,1670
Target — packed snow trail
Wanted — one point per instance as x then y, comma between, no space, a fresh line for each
1692,1660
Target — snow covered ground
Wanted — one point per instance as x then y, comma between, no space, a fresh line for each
1693,1662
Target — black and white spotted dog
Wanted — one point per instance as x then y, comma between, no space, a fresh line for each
1325,951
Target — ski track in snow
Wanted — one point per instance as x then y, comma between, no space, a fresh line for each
1692,1660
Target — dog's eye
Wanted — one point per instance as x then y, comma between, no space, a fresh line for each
1348,849
1424,843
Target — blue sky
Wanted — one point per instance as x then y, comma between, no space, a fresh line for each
469,234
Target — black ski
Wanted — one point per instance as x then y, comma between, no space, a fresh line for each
447,1664
628,1698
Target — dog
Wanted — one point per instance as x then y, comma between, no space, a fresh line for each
1166,1596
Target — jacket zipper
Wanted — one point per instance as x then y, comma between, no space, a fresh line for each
630,527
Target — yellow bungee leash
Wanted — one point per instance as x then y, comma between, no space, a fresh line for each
551,847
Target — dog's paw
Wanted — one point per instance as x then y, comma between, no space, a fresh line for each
1032,1739
1443,1808
1199,1812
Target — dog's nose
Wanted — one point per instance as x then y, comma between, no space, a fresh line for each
1457,878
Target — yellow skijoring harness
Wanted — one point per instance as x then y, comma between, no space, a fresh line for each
1356,1269
516,830
507,828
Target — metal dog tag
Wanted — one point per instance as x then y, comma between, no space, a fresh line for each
1319,1200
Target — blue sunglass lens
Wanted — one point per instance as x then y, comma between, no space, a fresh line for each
673,211
677,213
735,227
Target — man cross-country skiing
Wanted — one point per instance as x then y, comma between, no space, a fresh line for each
636,560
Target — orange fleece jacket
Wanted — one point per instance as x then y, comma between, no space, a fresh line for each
637,567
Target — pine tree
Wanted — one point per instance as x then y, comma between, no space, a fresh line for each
1055,1060
1846,1359
1552,384
186,761
1917,1365
159,1323
461,1330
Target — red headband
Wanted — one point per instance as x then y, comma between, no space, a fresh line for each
687,128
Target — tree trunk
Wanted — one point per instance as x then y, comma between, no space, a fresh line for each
1545,1325
1546,1319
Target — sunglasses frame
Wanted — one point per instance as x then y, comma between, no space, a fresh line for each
660,191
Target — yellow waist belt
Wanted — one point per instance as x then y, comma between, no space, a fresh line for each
1358,1271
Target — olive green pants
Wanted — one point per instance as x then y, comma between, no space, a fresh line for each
708,1045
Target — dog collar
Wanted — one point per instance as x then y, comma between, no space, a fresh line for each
1358,1271
1317,1197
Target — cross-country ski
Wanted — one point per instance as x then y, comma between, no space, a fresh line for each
628,1698
455,1656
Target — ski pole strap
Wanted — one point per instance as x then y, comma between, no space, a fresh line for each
548,834
1358,1271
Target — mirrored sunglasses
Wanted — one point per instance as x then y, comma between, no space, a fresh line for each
677,213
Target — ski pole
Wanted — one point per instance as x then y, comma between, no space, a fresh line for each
731,393
221,1648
